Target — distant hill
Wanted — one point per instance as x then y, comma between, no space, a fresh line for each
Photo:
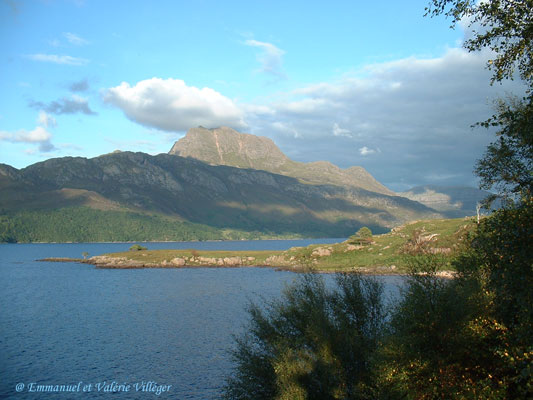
201,200
226,146
451,201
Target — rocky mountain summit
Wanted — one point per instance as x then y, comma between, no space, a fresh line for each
226,146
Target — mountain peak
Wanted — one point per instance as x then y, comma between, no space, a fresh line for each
226,146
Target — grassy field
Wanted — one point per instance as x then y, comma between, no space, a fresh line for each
387,253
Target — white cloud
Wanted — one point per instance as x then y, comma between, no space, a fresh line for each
46,120
271,58
75,39
338,131
39,136
171,105
57,59
364,151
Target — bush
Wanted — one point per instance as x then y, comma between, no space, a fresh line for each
362,236
314,343
364,232
137,247
434,348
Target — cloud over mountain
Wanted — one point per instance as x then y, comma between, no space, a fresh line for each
407,121
416,111
171,105
38,136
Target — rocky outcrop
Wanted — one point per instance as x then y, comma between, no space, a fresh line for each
322,252
225,146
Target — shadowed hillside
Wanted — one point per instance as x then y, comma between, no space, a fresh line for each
189,190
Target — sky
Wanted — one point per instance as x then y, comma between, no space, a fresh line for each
372,84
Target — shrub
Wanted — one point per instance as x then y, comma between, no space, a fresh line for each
362,236
364,232
137,247
313,343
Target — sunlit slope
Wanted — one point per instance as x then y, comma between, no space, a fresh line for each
226,146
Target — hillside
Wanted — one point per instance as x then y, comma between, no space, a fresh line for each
217,197
226,146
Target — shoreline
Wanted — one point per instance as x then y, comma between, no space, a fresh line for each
104,262
387,254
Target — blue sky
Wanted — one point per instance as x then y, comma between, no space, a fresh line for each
364,83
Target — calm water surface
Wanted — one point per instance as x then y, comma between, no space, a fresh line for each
66,323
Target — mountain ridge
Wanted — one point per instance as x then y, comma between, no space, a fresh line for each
226,146
190,190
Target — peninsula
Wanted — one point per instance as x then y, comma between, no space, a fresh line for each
388,253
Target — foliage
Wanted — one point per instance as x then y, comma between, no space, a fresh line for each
433,348
507,165
362,236
364,232
314,343
83,224
501,259
503,26
137,247
501,256
469,337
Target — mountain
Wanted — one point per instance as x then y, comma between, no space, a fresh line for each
451,201
184,190
225,146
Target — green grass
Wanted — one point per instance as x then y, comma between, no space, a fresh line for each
387,253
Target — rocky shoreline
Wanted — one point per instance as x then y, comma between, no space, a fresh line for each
276,262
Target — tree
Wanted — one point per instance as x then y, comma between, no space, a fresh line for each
507,165
503,26
364,232
506,28
362,236
500,256
433,349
